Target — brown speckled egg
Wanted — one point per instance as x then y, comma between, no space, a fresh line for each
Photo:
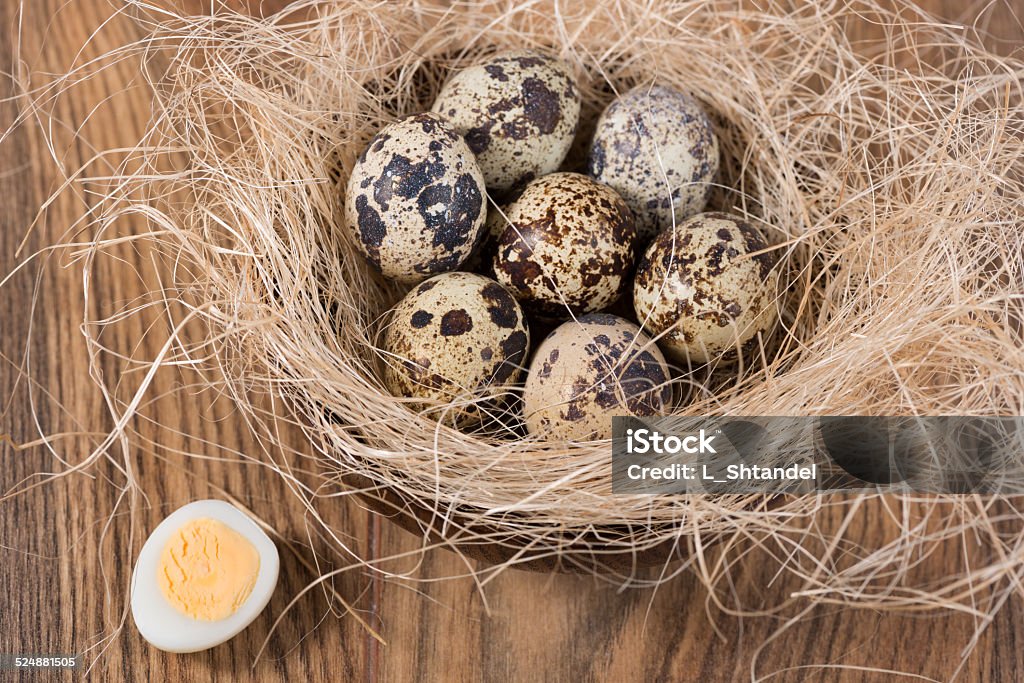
700,283
569,246
590,369
415,201
519,112
455,336
655,147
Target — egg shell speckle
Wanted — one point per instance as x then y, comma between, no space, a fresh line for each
519,112
589,370
700,281
456,335
415,201
652,139
570,243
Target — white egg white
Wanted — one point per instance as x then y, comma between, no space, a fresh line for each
161,623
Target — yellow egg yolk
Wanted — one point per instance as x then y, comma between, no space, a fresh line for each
207,569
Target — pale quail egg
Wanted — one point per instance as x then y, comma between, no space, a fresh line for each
203,575
415,201
519,112
457,336
568,246
655,146
700,285
590,369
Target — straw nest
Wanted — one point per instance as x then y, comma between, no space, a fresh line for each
889,177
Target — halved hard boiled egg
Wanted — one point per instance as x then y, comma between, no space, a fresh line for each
203,575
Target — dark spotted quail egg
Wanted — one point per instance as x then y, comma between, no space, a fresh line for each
415,200
568,246
700,286
590,369
456,336
519,112
655,147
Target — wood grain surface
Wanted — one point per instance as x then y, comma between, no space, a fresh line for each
64,568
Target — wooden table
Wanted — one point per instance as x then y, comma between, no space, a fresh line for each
531,627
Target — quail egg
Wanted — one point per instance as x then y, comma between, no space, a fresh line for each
415,201
454,337
655,146
519,112
203,575
590,369
568,246
703,290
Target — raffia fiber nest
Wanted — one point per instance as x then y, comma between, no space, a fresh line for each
889,177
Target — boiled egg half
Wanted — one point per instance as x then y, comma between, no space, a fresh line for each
203,575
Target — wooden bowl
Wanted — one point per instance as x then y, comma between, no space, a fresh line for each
587,554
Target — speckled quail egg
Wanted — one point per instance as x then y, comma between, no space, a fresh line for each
701,286
415,201
568,246
655,146
590,369
456,336
519,112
